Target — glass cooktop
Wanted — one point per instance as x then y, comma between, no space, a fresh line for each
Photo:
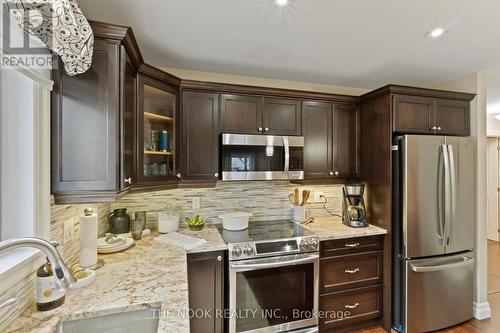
265,230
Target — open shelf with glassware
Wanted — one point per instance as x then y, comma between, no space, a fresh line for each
157,135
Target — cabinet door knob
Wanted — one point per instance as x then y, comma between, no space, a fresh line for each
260,129
331,173
438,128
128,180
216,175
337,173
433,128
219,258
179,175
266,129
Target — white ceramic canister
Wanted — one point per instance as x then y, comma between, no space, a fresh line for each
167,222
299,213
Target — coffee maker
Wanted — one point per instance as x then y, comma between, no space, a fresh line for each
353,206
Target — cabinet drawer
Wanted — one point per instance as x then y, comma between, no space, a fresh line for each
351,271
349,307
338,247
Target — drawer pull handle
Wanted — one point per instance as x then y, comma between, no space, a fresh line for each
354,306
352,271
351,244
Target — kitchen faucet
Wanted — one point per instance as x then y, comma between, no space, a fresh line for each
61,271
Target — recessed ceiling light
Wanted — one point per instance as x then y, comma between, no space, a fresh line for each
282,2
436,33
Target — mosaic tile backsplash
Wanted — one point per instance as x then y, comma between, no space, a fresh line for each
266,200
25,291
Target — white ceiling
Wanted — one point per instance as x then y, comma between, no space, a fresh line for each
356,43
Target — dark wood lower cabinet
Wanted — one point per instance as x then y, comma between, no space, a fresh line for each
351,277
352,271
350,307
206,290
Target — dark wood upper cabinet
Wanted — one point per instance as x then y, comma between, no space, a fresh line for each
453,117
206,290
92,122
156,131
318,145
282,116
346,141
200,136
244,114
429,115
413,114
241,114
128,92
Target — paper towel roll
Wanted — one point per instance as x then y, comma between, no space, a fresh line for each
88,240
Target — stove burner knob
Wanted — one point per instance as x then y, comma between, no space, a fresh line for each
236,251
304,245
247,250
314,244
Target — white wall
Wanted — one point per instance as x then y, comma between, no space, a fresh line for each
263,82
492,194
493,126
476,83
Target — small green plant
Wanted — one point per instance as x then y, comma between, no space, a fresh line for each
195,223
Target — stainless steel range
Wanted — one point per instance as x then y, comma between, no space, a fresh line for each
273,278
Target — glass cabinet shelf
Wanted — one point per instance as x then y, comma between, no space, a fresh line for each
157,112
154,116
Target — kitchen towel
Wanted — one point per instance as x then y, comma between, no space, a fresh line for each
88,240
186,242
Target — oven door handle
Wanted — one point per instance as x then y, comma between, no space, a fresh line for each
308,259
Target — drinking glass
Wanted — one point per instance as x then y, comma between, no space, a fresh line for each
141,216
136,229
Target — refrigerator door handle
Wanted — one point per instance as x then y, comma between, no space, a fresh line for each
447,191
440,194
453,194
424,269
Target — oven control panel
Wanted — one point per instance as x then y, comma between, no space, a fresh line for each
247,250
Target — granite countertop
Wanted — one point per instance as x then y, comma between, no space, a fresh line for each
152,275
149,275
327,228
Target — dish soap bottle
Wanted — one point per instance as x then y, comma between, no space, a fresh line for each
49,294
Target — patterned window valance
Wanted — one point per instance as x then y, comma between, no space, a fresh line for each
59,25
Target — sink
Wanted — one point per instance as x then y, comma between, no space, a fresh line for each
144,321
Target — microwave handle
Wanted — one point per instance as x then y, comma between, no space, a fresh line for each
286,144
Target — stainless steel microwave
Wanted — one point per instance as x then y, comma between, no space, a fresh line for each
262,157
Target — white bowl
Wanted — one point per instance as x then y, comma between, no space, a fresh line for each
235,220
86,281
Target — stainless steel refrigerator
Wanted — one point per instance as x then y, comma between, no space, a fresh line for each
433,231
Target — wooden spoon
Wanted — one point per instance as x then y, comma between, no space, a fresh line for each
296,195
305,197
